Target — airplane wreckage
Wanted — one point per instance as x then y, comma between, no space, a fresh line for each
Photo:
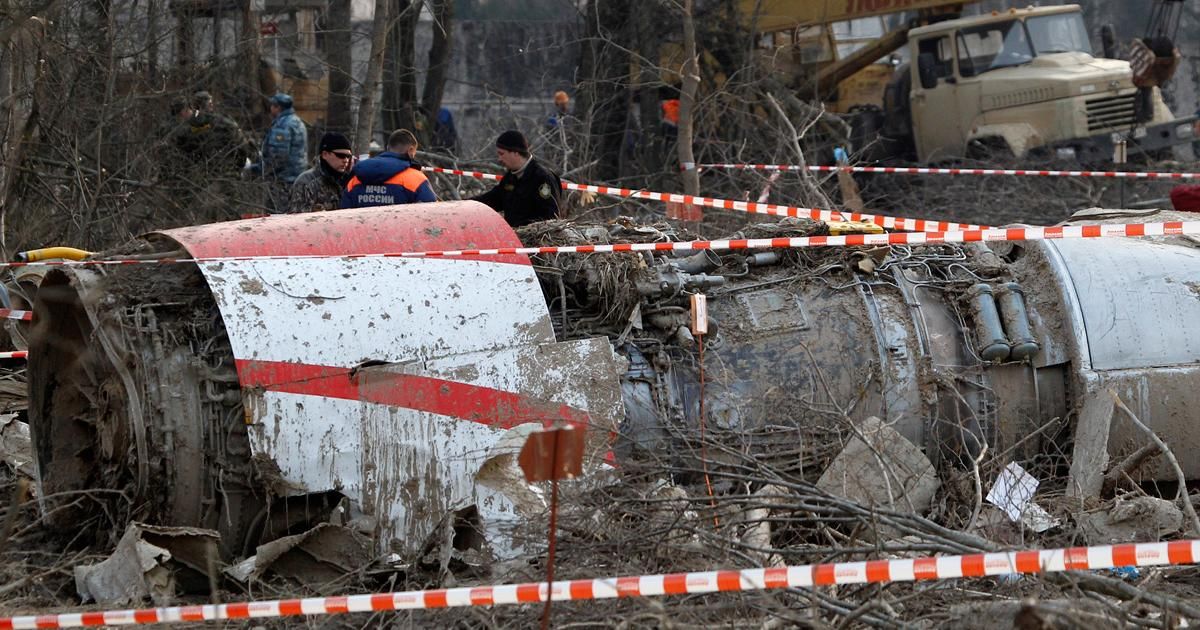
264,397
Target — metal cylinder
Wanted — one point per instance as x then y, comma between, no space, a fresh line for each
1011,300
989,333
762,259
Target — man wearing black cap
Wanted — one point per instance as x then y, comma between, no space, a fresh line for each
528,192
320,187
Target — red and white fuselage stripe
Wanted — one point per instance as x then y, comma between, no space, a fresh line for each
1183,552
18,354
1057,232
894,223
917,170
8,313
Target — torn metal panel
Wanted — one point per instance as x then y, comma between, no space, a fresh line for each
145,565
319,558
16,449
406,442
880,468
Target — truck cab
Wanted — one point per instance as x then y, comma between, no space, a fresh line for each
1024,81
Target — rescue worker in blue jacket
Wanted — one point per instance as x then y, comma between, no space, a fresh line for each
284,152
390,178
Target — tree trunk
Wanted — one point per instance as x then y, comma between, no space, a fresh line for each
604,97
250,51
367,104
185,37
337,51
439,56
400,88
687,104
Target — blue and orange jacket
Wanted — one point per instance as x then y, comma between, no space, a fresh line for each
386,180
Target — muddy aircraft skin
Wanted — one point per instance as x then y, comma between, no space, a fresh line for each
254,397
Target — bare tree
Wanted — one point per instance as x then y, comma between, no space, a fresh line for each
338,40
687,103
439,55
367,104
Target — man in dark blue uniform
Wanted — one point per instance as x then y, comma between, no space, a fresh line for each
528,192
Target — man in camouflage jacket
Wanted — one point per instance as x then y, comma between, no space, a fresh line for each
320,187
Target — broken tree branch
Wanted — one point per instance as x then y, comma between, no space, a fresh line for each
1166,451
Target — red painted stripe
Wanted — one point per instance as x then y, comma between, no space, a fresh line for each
88,619
776,577
1124,555
629,587
675,583
1173,227
146,615
925,569
824,574
1029,562
474,403
291,607
879,571
238,610
972,565
433,599
529,593
729,580
1091,231
1135,229
339,604
46,621
582,589
1180,552
483,596
1076,558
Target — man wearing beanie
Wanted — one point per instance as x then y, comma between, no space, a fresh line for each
528,192
320,187
389,178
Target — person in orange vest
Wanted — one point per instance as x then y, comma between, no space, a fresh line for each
562,106
390,178
670,117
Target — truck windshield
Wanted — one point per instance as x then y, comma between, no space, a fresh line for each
1063,32
992,46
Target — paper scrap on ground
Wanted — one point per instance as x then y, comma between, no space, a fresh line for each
1013,494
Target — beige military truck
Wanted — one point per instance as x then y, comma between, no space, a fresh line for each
940,86
1019,82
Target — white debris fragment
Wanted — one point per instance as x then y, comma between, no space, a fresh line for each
1013,493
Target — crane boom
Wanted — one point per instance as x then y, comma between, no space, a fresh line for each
775,15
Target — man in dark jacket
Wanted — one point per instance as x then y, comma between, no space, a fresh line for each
528,192
320,187
389,178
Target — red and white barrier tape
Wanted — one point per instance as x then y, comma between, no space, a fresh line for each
18,354
916,170
895,223
1181,552
8,313
1058,232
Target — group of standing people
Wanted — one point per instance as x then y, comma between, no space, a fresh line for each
528,191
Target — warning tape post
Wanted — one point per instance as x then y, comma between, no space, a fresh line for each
1183,552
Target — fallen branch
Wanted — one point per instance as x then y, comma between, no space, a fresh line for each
1182,491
